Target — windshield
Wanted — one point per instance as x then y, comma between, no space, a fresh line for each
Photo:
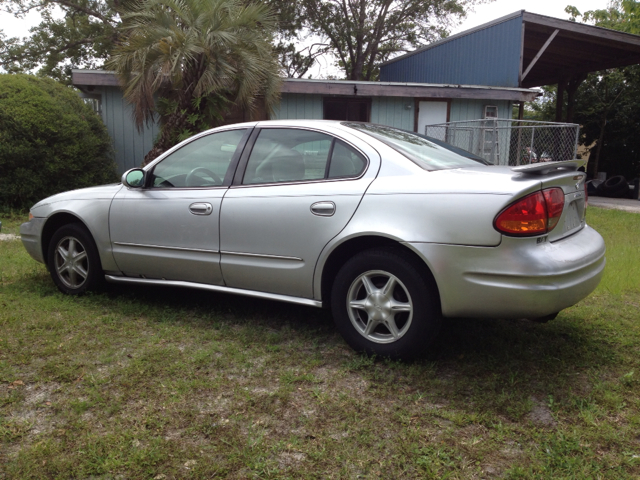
416,148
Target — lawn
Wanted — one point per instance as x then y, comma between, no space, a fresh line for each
141,383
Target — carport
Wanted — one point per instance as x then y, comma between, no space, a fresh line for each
520,50
563,52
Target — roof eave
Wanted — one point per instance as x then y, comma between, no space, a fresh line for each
88,80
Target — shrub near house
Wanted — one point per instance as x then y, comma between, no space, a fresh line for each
50,141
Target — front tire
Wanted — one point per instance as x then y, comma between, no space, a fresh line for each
73,260
383,305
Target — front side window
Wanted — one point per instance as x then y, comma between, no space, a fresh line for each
294,155
203,162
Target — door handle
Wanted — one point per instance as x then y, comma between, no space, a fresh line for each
323,209
201,208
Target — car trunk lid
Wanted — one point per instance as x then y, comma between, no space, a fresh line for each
564,175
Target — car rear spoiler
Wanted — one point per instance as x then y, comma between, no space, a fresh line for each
549,167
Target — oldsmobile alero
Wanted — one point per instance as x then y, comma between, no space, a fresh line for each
392,231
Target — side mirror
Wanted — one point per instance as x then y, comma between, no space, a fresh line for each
133,178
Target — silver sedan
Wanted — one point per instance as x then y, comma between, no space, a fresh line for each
391,230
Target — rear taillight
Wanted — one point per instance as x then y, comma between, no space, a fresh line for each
535,214
554,198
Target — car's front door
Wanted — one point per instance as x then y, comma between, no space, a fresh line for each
299,189
169,229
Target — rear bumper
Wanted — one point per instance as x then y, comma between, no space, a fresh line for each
517,279
31,235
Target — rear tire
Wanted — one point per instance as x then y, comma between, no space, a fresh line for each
383,305
73,260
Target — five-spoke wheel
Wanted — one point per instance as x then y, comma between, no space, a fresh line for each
73,260
383,304
379,306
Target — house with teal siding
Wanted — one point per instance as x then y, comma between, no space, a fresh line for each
410,106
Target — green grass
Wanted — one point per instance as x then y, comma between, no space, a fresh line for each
144,383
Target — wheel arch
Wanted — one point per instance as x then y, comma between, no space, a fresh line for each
347,249
53,223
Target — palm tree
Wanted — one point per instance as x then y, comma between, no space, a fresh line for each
197,56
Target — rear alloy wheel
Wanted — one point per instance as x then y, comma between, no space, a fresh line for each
383,305
379,306
74,262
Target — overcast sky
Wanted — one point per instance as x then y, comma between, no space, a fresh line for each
13,27
484,13
551,8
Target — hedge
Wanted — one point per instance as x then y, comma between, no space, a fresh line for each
50,141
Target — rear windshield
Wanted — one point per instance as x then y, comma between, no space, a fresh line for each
418,149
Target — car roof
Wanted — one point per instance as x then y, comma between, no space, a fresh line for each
340,124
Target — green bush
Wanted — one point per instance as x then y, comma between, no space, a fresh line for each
50,141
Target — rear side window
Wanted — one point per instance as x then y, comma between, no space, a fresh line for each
346,161
418,149
294,155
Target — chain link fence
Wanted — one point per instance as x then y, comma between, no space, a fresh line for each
511,142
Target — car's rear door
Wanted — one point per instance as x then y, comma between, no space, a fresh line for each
296,189
170,229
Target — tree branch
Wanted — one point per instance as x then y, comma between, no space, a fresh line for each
88,11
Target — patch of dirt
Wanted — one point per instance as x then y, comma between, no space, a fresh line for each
35,394
501,459
540,414
290,459
8,236
266,391
351,383
338,436
490,471
34,412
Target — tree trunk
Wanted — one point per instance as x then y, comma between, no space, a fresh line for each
175,121
172,124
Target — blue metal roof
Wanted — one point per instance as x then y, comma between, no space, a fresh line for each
488,55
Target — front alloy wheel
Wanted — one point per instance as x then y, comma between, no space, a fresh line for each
73,260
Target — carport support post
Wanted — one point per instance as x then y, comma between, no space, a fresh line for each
562,84
572,88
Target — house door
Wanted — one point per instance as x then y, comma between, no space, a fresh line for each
432,113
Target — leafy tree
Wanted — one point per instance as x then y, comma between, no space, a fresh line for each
364,33
50,141
295,59
609,114
197,55
82,38
608,99
622,15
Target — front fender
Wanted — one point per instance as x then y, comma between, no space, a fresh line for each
89,206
